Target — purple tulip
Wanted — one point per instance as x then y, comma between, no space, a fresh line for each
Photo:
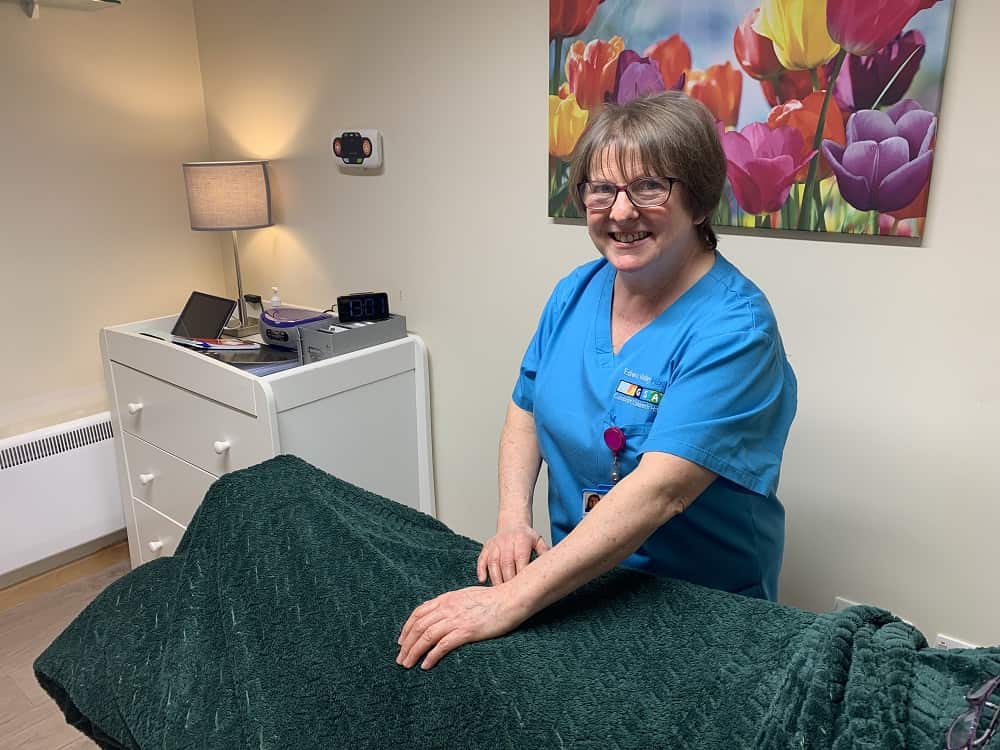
862,79
887,159
761,164
636,76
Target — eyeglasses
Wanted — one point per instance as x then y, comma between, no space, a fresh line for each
964,732
644,192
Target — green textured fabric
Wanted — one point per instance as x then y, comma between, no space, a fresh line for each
275,626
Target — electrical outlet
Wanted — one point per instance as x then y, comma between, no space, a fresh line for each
840,603
949,642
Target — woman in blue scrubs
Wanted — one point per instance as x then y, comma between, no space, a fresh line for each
656,380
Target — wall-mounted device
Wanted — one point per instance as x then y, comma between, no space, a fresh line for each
358,148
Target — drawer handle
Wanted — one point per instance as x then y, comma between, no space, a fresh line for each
221,446
146,478
155,546
134,409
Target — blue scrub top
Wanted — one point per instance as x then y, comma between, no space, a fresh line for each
707,380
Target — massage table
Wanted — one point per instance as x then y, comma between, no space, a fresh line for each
275,624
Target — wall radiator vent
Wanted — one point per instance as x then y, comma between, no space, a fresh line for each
55,444
59,496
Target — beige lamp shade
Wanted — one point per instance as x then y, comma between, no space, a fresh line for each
228,195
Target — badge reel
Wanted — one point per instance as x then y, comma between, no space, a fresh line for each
614,438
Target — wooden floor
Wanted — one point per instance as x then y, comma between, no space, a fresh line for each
32,614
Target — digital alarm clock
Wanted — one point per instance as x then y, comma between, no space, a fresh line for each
356,308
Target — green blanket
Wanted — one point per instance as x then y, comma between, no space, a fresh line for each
275,626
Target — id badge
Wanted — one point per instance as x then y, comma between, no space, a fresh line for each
592,496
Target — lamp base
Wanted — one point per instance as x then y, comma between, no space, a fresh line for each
239,332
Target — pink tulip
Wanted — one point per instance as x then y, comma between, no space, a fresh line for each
863,27
761,164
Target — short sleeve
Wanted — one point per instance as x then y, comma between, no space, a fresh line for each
729,408
524,388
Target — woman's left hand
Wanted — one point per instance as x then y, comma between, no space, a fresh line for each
455,618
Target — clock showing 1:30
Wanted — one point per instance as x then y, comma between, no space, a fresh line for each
356,308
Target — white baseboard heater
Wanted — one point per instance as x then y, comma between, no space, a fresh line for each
59,497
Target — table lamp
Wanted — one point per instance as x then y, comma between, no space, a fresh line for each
230,195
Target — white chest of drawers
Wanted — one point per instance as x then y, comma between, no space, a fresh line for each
182,419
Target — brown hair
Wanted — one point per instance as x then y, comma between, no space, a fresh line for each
670,135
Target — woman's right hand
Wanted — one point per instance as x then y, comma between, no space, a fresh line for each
508,552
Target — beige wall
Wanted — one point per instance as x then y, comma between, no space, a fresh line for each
100,109
890,480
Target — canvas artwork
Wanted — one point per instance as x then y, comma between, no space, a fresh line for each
827,109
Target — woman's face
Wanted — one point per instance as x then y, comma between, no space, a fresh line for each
640,239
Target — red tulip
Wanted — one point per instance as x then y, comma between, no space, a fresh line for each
591,68
804,117
791,84
755,53
863,27
570,17
719,88
673,57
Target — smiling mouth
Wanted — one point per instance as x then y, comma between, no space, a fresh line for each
627,237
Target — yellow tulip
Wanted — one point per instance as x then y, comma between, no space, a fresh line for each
798,30
566,124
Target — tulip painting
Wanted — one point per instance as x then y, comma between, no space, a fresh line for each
826,109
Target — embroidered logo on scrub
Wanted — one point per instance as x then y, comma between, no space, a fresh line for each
638,395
